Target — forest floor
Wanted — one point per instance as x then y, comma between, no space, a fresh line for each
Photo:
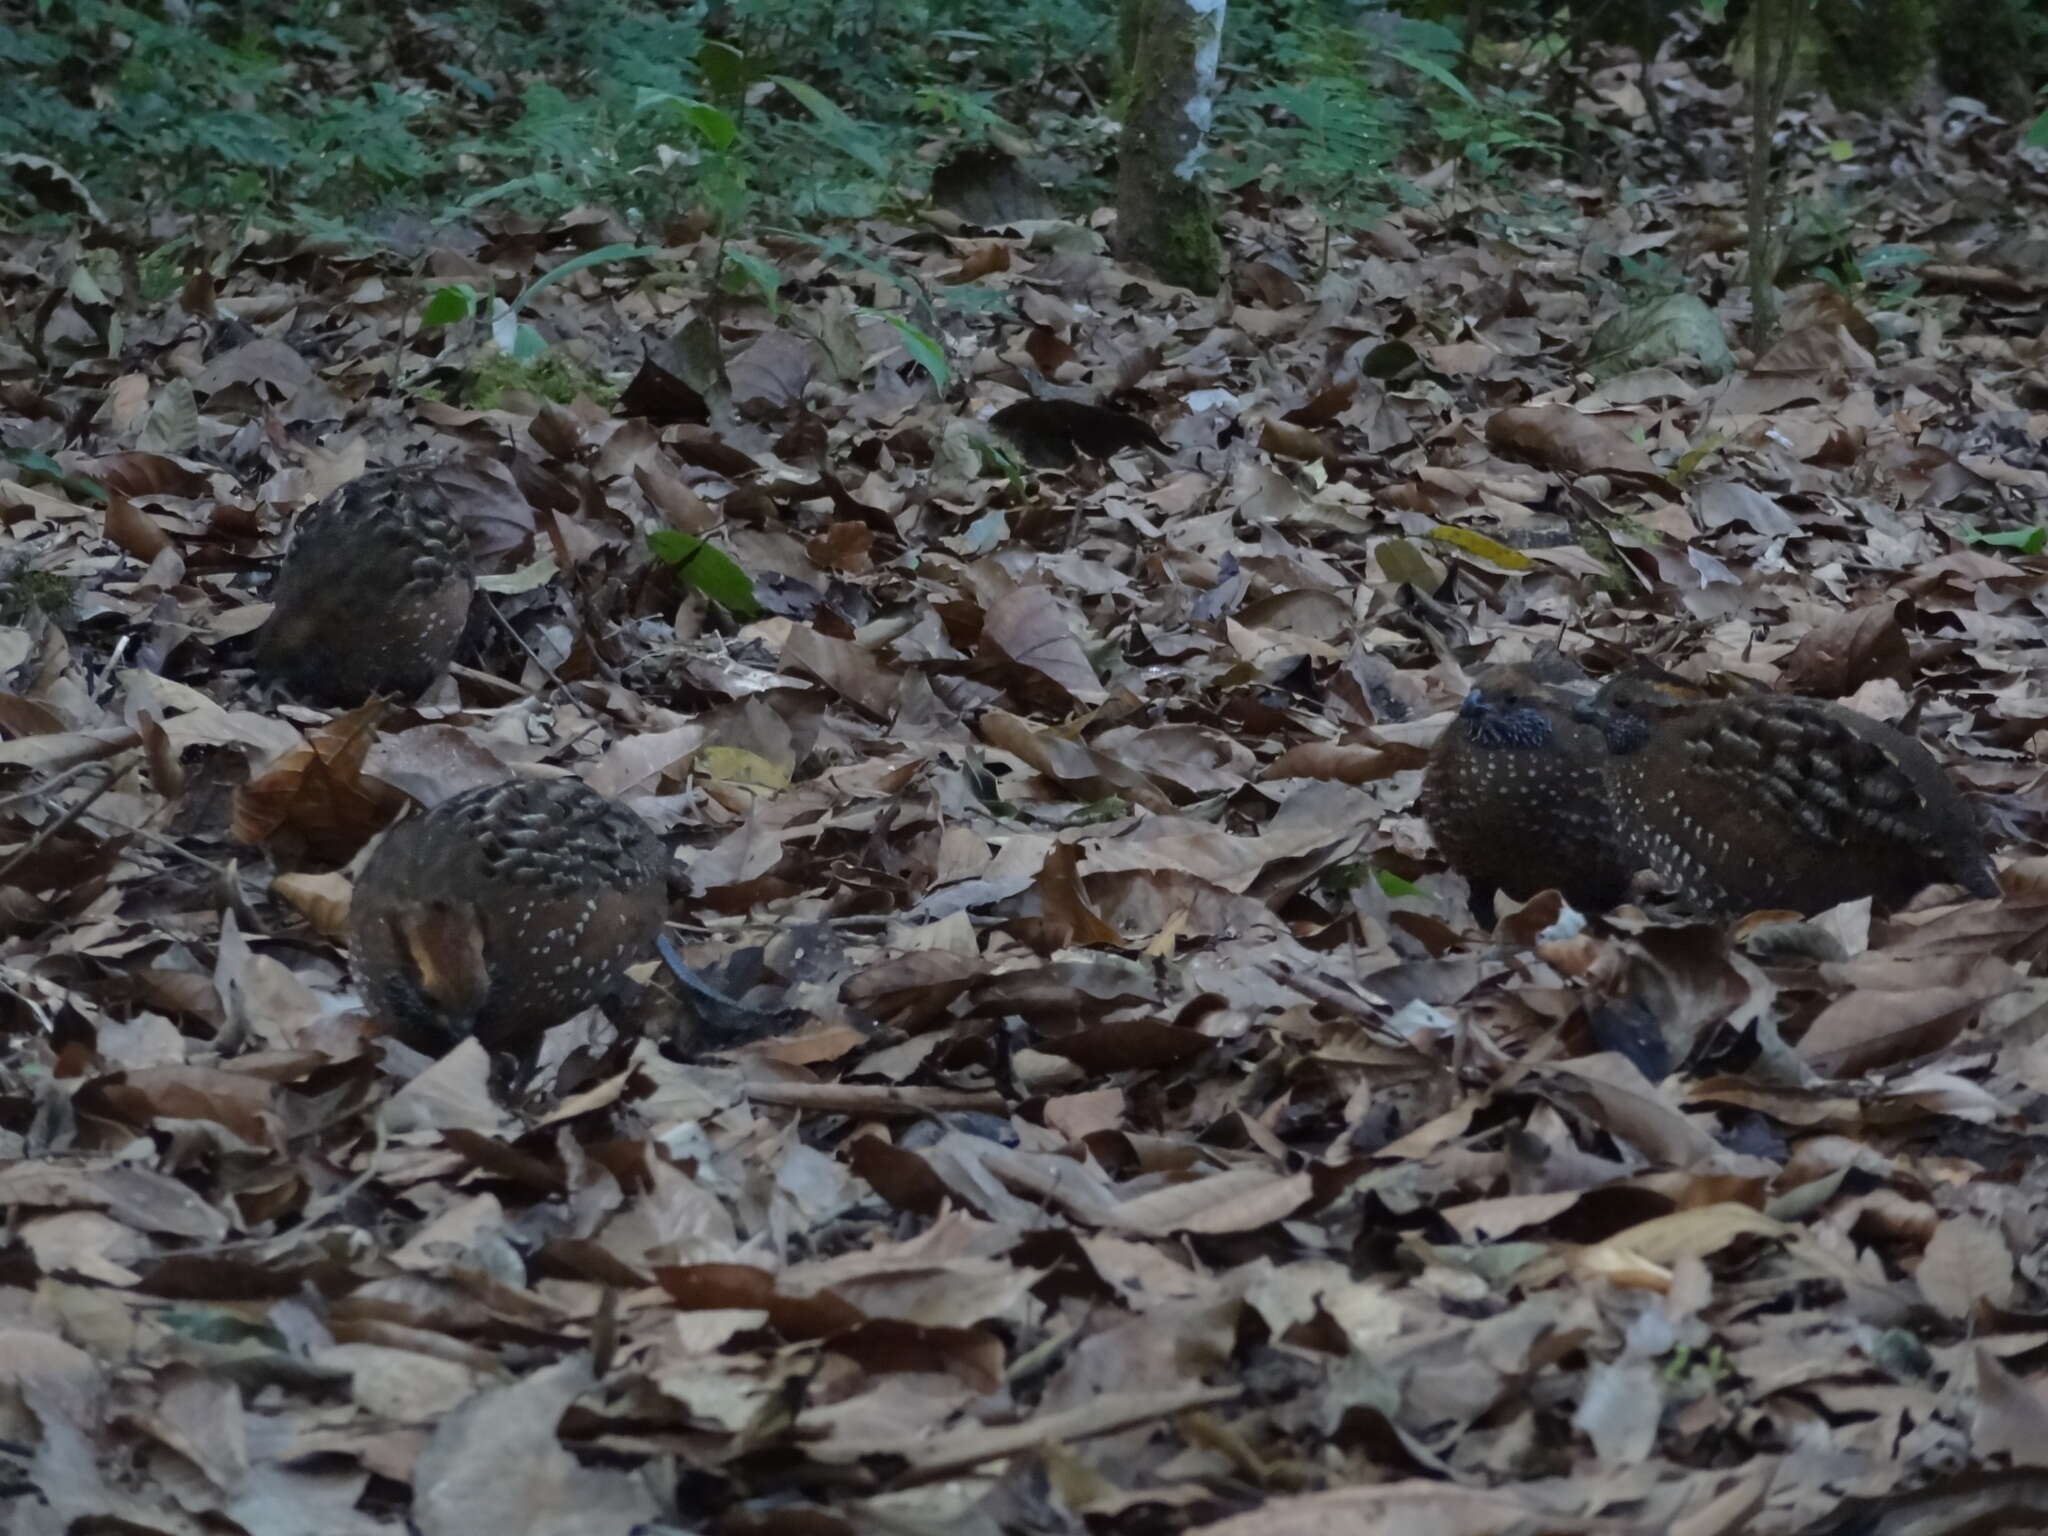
1129,1130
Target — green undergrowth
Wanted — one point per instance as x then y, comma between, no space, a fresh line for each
28,594
551,376
363,122
372,127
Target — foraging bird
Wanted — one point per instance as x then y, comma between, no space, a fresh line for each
505,910
1515,792
1768,800
373,593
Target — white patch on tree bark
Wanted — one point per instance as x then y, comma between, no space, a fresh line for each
1201,107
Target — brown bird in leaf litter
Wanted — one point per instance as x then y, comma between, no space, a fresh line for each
372,595
1515,792
505,910
1767,800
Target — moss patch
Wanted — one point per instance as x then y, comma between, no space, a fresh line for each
27,593
551,376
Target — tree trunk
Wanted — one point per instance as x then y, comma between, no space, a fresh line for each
1774,44
1164,216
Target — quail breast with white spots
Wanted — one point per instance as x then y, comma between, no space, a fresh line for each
373,593
1515,794
505,910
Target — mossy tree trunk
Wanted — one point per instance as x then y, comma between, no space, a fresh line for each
1164,215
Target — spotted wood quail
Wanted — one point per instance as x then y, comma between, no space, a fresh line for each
504,910
1767,800
372,595
1515,793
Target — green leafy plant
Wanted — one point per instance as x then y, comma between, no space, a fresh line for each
1335,135
1355,88
325,118
921,342
726,159
516,354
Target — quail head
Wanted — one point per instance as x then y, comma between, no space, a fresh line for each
504,911
372,595
1515,793
1767,800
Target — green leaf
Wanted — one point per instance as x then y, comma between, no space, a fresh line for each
724,70
38,468
841,131
924,351
1840,150
447,305
716,128
574,264
1391,884
760,274
714,125
1442,76
2037,136
2028,541
705,568
546,184
36,462
527,344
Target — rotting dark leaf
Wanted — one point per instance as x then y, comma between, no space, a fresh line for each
1053,432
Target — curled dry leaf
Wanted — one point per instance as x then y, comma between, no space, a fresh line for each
317,796
321,899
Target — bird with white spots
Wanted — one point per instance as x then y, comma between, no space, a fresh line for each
503,911
373,594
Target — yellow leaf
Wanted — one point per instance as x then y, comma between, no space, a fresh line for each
1697,1232
1620,1268
322,900
1689,462
1490,550
736,765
